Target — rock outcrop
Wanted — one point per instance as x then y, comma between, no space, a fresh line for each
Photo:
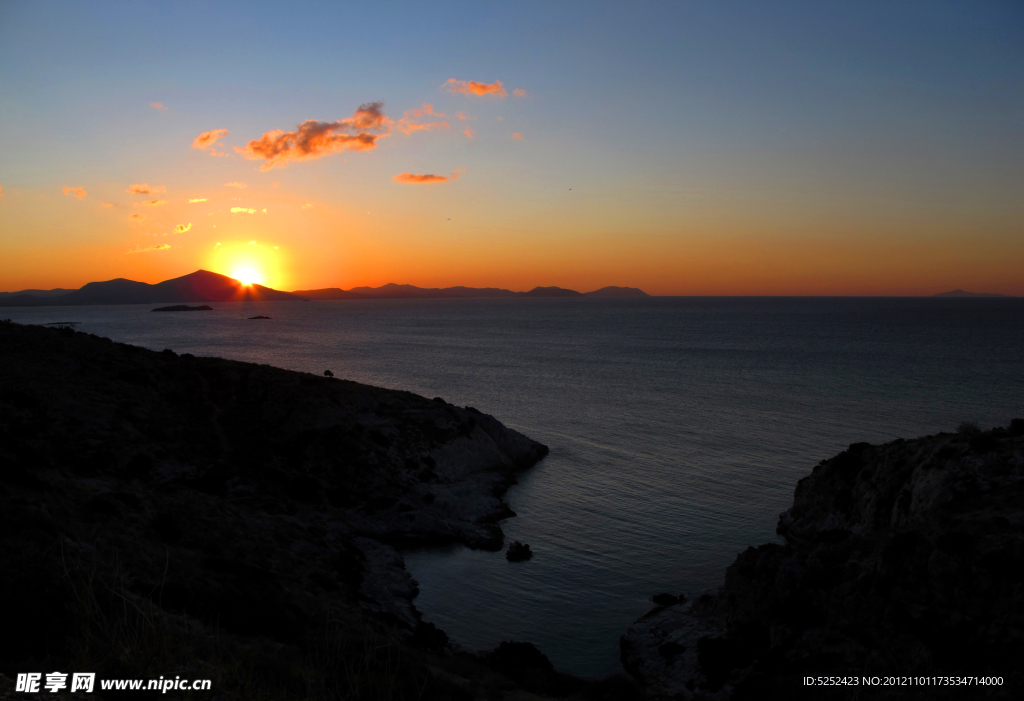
904,559
263,503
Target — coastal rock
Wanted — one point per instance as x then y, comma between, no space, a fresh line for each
517,552
901,559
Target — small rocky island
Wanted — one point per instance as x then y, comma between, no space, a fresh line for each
903,559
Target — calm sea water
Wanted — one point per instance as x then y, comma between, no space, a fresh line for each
678,427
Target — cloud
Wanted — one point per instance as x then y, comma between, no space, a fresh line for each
474,88
144,189
313,139
78,192
1,190
107,204
242,210
136,218
235,183
159,106
306,206
197,199
182,228
151,203
426,178
148,249
408,123
459,115
517,135
519,92
470,134
207,139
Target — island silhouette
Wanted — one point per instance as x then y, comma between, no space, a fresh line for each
206,286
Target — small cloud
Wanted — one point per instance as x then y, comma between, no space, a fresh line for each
144,189
242,210
313,139
426,178
519,92
459,115
276,183
408,123
78,192
207,139
217,244
148,249
470,134
197,199
151,203
252,243
517,135
107,204
306,206
1,190
182,228
158,106
472,87
264,210
276,247
235,183
136,218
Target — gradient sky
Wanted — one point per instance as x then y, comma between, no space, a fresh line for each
710,147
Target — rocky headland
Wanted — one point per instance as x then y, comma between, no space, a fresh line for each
903,559
169,514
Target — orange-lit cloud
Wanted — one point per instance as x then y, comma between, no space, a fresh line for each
459,115
78,192
182,228
197,199
235,183
151,203
144,189
474,88
519,92
148,249
469,133
313,139
242,210
107,204
1,190
426,178
517,135
136,218
409,121
158,106
207,139
306,206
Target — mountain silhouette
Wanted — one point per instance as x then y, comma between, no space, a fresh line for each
393,291
200,286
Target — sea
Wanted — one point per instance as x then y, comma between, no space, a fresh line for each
678,426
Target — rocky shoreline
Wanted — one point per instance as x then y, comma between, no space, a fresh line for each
904,559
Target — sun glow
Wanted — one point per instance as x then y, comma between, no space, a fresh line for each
247,276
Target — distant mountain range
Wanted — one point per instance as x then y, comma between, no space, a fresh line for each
962,293
204,286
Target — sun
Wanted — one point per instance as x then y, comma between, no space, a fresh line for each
247,276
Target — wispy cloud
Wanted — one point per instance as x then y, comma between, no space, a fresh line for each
182,228
410,120
306,206
1,190
144,189
235,183
472,87
313,139
207,139
107,204
136,218
519,92
459,115
470,134
426,178
78,192
197,199
242,210
148,249
151,203
158,106
516,135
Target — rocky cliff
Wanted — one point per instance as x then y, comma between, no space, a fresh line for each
164,514
903,559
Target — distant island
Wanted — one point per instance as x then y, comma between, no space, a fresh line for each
205,286
184,308
962,293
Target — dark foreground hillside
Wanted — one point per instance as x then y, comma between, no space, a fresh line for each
901,560
166,515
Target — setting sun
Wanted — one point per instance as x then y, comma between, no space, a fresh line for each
247,276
